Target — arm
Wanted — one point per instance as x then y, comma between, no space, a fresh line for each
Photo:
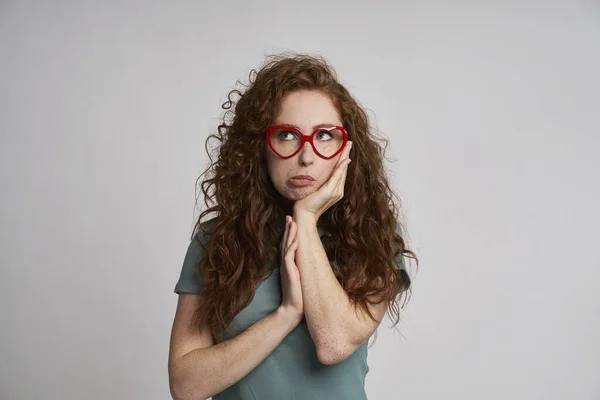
335,326
199,369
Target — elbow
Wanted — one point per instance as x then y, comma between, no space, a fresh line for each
181,392
334,350
332,356
176,391
179,389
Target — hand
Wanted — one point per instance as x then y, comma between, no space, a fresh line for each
291,296
330,193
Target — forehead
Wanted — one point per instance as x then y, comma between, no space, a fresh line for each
307,108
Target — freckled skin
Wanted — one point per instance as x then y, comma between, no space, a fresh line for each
332,322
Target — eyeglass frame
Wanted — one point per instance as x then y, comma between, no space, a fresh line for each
307,138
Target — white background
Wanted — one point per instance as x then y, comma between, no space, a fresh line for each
493,114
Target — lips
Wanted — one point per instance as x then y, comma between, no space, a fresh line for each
303,177
301,180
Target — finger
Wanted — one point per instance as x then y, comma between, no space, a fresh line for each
337,176
344,175
339,189
345,158
341,182
292,250
332,184
291,234
285,235
345,154
291,241
290,255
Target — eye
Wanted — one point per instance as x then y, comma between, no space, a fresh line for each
325,133
282,134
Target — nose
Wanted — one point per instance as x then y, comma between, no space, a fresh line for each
307,154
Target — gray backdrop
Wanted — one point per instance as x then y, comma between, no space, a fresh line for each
492,110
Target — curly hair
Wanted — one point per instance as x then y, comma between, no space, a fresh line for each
241,246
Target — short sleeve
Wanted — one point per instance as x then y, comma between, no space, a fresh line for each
190,280
400,263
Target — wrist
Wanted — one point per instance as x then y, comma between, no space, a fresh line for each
305,217
288,316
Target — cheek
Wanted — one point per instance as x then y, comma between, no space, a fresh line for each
271,163
276,170
330,169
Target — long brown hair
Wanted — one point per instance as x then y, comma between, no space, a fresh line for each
242,240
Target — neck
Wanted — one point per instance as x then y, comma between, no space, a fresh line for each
286,205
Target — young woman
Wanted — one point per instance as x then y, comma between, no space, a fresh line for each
281,290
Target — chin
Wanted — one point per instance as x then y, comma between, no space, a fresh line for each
298,194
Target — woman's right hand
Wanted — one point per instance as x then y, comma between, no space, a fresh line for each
291,296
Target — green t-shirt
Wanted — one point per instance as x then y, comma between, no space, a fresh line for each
292,370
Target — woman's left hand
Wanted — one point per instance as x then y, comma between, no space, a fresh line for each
330,193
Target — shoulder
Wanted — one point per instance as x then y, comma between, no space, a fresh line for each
204,231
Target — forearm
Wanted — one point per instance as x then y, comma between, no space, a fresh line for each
205,372
326,304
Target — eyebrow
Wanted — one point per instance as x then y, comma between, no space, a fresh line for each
323,125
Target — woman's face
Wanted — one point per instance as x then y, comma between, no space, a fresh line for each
304,109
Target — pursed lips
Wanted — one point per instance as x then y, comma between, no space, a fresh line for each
303,177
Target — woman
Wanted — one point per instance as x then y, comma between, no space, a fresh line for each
281,290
